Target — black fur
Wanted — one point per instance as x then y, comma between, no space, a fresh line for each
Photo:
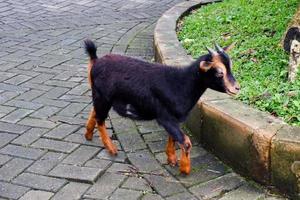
146,91
90,49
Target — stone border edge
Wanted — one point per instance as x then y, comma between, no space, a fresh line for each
255,143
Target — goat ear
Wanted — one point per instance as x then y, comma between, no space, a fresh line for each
205,65
228,48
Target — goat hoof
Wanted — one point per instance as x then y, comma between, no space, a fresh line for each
172,161
185,166
88,136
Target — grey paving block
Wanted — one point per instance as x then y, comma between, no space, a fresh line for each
72,109
24,104
80,139
5,138
16,115
13,128
131,142
45,112
104,154
217,186
120,168
124,125
12,191
145,161
137,183
4,159
29,136
12,168
39,182
245,192
150,196
55,145
182,196
165,185
156,136
46,163
39,123
37,195
105,186
51,102
23,152
30,95
81,155
76,173
61,131
71,191
55,93
98,163
125,194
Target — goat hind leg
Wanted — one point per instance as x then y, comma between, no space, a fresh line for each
90,125
106,139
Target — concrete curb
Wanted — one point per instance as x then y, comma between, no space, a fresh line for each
255,143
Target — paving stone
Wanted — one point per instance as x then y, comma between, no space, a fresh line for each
12,168
144,161
131,142
55,145
16,115
37,195
98,163
217,186
5,138
61,131
71,191
105,186
136,183
51,102
16,80
156,147
46,163
125,194
149,127
76,173
80,139
156,136
124,125
4,159
45,112
245,192
11,191
152,197
29,136
23,152
121,157
182,196
13,128
37,123
30,95
72,109
120,168
24,104
165,184
81,155
39,182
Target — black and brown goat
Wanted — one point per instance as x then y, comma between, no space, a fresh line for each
145,91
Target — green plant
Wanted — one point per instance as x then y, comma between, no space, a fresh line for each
260,63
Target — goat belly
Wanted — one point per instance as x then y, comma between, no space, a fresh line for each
126,109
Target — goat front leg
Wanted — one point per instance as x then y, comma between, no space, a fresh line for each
171,152
185,160
90,125
185,144
106,139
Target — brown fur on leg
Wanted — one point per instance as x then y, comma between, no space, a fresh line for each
106,139
90,125
171,152
185,160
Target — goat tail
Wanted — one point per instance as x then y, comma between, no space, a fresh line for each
90,49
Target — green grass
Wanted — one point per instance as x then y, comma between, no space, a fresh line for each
260,63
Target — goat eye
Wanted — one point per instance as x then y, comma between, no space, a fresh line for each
219,74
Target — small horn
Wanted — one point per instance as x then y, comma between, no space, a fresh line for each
218,48
211,51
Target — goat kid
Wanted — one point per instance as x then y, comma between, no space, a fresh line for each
145,91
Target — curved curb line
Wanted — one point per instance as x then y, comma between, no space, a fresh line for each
255,143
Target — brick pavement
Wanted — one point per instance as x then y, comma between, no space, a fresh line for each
45,100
